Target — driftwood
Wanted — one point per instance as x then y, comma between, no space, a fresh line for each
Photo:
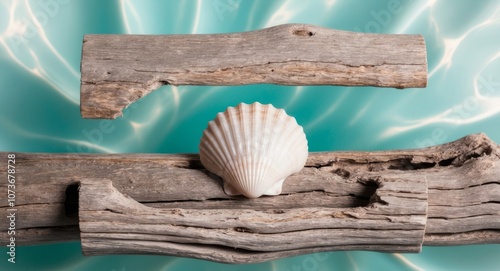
463,198
113,223
120,69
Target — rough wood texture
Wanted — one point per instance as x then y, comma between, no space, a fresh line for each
463,180
111,222
120,69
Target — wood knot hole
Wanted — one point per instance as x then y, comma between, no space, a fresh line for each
303,32
71,201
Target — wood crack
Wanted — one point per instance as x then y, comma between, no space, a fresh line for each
201,69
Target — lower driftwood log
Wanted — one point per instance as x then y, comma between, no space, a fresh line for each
110,222
463,180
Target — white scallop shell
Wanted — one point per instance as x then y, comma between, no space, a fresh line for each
254,148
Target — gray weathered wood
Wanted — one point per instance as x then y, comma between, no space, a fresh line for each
463,180
394,221
120,69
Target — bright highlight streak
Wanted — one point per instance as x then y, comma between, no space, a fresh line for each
125,17
14,36
415,14
328,112
43,36
407,262
451,45
282,15
197,17
125,8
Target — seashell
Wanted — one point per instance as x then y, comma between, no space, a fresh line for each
253,148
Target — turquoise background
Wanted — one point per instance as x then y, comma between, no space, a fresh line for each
40,50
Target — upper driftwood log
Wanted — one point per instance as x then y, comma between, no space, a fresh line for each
120,69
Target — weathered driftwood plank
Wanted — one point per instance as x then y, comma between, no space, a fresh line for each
120,69
463,178
394,221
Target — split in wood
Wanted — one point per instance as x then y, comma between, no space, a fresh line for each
120,69
335,188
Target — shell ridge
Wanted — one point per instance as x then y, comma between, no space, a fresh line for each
215,162
266,138
296,136
214,153
261,173
279,125
223,145
259,145
254,169
246,112
234,121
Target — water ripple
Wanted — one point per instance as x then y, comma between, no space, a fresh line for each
451,44
464,90
24,49
407,262
129,13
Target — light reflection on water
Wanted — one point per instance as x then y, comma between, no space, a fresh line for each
40,45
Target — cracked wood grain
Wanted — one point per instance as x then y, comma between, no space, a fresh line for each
120,69
463,179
